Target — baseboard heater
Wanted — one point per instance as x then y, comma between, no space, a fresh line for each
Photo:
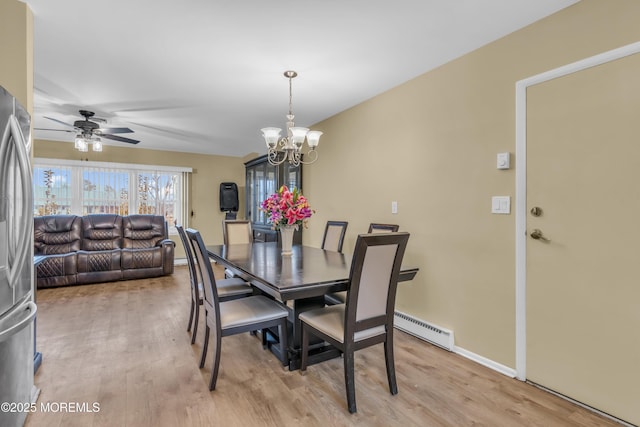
424,330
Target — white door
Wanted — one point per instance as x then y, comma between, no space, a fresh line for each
583,285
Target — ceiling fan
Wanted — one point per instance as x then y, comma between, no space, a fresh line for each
88,128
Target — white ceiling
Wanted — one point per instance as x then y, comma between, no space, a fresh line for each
204,76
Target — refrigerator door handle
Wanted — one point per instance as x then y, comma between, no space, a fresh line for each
21,317
13,130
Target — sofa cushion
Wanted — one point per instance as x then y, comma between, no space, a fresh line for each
92,261
56,270
141,258
56,234
101,232
143,231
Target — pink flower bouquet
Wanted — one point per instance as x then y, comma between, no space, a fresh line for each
287,208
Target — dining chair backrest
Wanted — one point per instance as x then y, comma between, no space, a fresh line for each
334,235
383,228
193,272
211,301
195,284
374,275
237,231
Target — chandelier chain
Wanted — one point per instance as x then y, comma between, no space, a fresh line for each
290,96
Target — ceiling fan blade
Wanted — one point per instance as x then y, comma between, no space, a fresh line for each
59,121
56,130
119,138
104,131
169,130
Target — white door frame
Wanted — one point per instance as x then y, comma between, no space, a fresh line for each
521,185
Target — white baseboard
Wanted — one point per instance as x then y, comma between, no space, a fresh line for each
505,370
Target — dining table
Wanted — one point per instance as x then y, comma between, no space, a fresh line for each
300,281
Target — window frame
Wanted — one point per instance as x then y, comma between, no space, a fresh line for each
78,169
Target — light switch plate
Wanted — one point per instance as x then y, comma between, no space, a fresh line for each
501,204
503,161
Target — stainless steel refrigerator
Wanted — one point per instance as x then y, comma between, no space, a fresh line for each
17,307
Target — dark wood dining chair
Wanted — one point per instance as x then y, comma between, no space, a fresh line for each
383,228
341,297
332,241
235,316
236,231
367,317
333,238
228,289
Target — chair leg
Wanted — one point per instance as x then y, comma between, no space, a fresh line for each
264,338
216,363
205,345
304,348
284,341
349,379
195,323
191,316
391,370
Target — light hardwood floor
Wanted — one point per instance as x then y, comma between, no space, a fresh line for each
124,346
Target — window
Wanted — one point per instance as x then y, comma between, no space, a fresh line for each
105,191
51,190
81,188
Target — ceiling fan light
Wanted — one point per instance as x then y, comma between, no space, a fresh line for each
97,145
78,142
84,147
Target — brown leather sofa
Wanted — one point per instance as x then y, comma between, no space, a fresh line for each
96,248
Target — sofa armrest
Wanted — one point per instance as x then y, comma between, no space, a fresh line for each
168,247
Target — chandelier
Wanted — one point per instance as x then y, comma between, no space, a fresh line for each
83,140
291,145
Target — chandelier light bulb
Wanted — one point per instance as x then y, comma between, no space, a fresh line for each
298,135
271,136
313,138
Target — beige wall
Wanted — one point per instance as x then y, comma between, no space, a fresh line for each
430,144
16,51
208,173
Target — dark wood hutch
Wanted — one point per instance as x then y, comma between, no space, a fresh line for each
262,180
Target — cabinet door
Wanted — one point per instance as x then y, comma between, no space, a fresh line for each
291,176
267,185
261,183
251,194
